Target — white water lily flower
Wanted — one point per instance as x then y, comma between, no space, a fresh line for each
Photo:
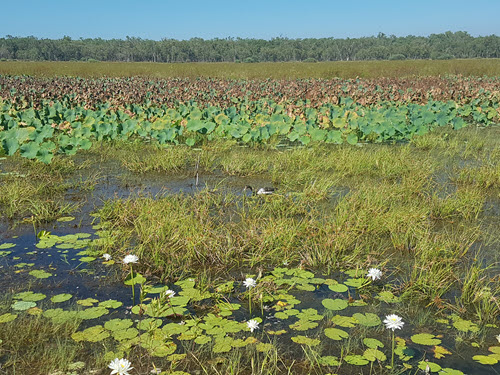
169,293
249,282
106,256
393,322
252,325
374,274
120,366
498,338
130,259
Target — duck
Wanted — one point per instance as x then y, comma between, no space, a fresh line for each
260,191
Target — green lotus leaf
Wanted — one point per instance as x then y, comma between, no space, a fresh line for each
202,340
329,360
93,312
110,304
40,274
372,343
485,359
425,339
335,334
92,334
339,288
118,324
374,355
434,367
23,305
87,302
149,323
334,304
7,245
303,325
125,334
303,340
7,317
344,321
61,297
29,296
356,360
368,319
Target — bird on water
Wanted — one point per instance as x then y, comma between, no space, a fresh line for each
260,191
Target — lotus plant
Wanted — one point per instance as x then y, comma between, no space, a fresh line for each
393,322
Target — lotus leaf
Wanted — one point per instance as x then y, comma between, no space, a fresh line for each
92,334
334,304
368,319
61,297
303,340
339,288
336,334
373,355
7,317
356,360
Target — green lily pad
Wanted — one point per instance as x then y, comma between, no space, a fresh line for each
110,304
202,340
65,219
374,355
125,334
485,359
87,302
23,305
7,245
336,333
303,325
87,259
387,297
61,297
329,360
92,313
425,339
344,321
118,324
303,340
92,334
137,279
339,288
264,347
29,296
372,343
7,317
367,320
433,367
149,323
4,253
40,274
465,325
334,304
59,316
174,329
450,371
356,283
356,360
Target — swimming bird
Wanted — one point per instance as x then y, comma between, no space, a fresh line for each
261,191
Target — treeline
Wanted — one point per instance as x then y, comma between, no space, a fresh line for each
381,47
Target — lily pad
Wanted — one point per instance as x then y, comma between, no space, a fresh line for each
93,312
329,360
7,245
65,219
40,274
87,302
303,325
367,320
339,288
433,367
425,339
92,334
344,321
118,324
7,317
485,359
303,340
29,296
372,343
125,334
110,304
374,355
23,305
264,347
335,333
334,304
356,360
61,297
450,371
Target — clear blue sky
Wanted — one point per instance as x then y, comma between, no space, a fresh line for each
156,19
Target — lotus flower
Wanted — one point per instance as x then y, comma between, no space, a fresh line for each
120,366
252,325
130,259
374,274
249,282
393,322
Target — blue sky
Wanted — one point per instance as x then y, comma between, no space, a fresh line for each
184,19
